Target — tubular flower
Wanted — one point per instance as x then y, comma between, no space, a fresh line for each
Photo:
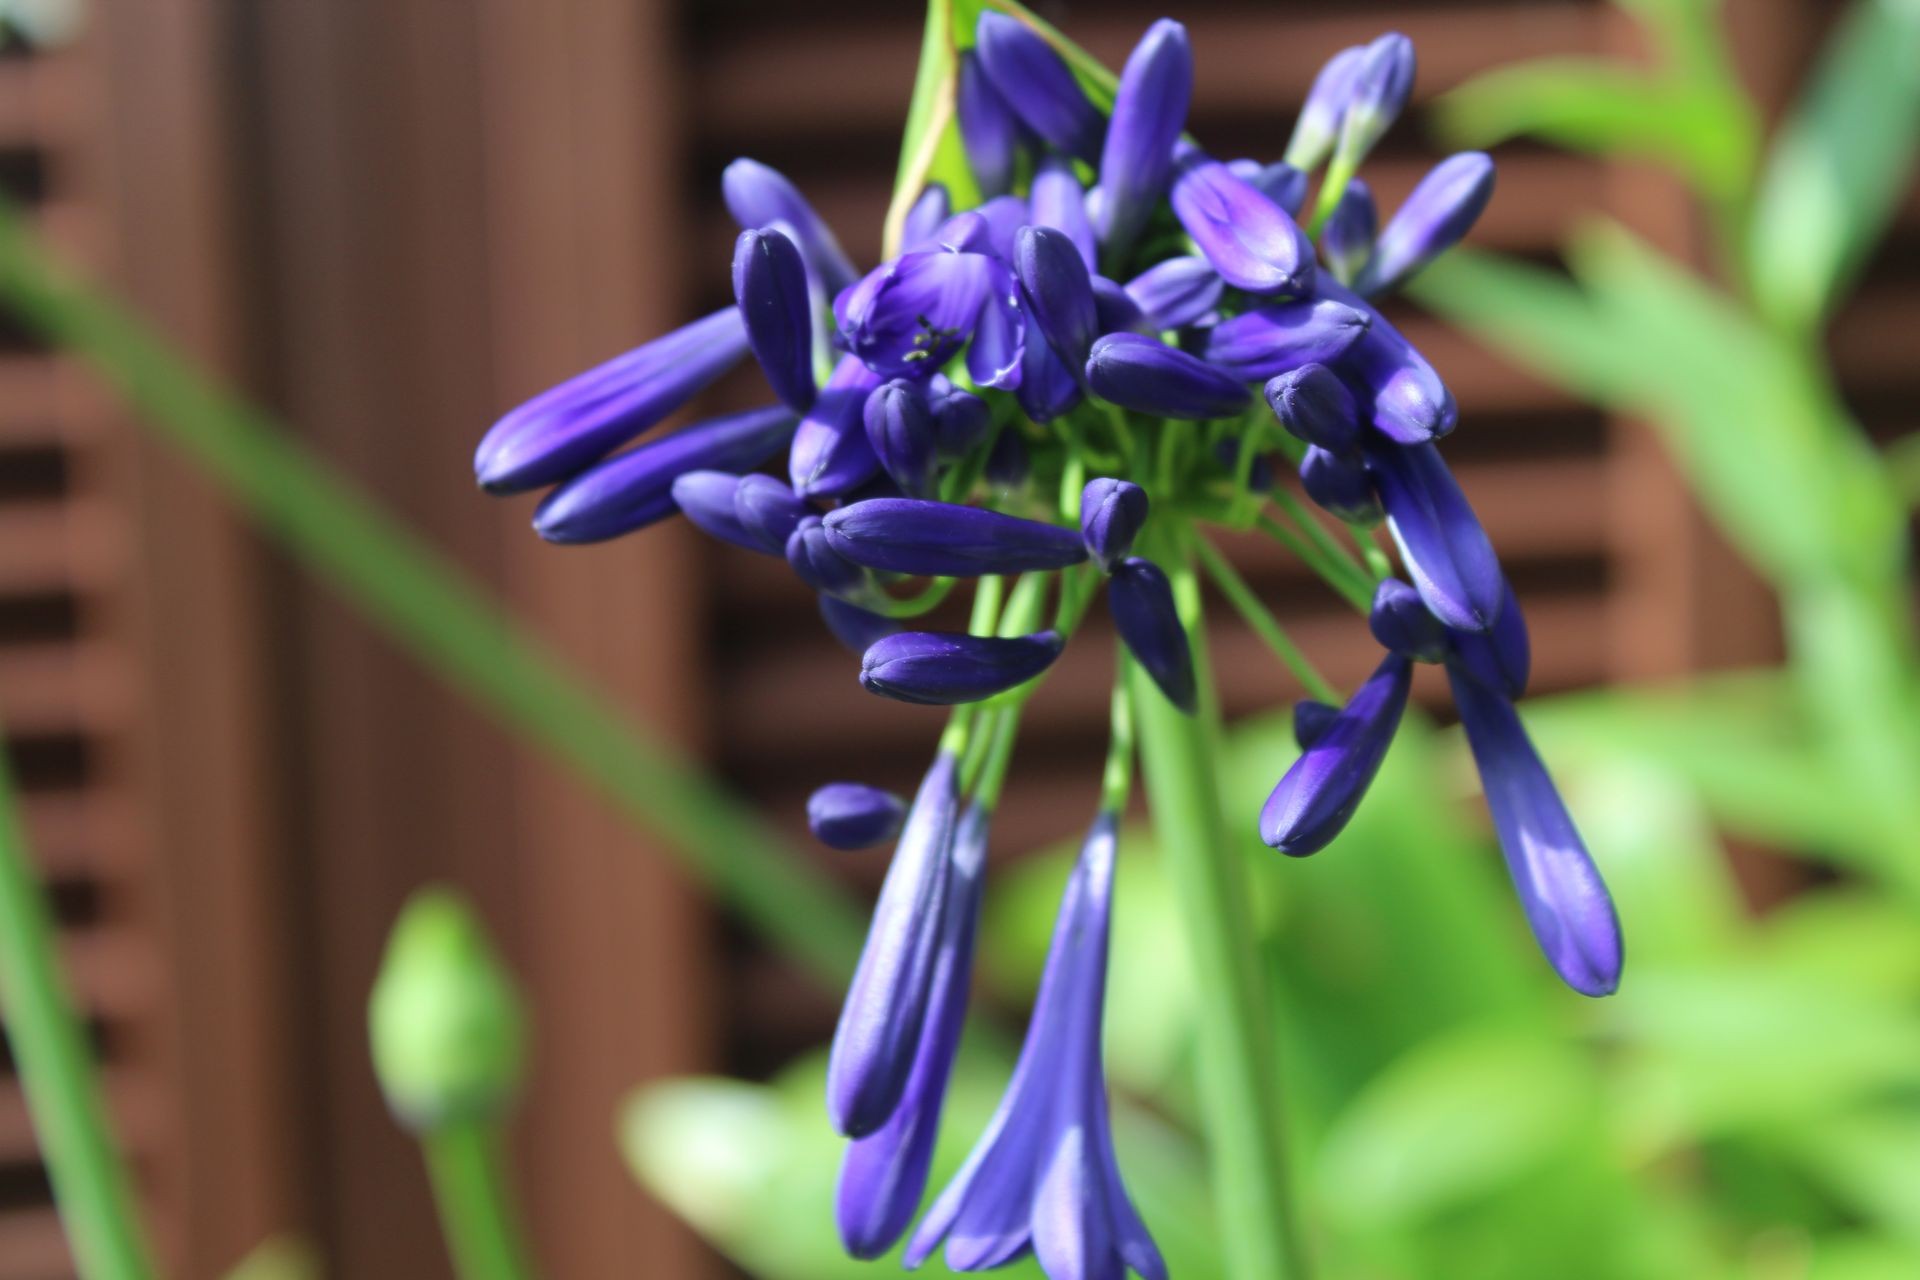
1119,322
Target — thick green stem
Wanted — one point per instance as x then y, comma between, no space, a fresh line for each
1239,1083
477,1214
49,1044
1264,625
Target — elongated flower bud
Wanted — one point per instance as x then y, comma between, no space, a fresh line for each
1318,124
1149,110
1440,539
853,815
770,286
1111,513
1315,406
1144,614
911,535
989,130
929,210
1439,213
1059,201
1282,336
1316,797
1144,374
816,562
1177,292
635,489
855,628
1500,658
1248,238
1114,309
944,668
1311,720
1400,393
706,499
1346,242
1008,463
885,1011
831,454
1048,386
769,511
758,196
1280,182
1058,291
1338,484
1402,623
1566,901
1038,85
900,429
960,420
1382,83
562,431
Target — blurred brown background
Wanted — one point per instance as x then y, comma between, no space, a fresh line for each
392,219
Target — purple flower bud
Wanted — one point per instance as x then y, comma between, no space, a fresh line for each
900,429
815,562
1347,240
1314,405
852,626
1382,83
852,815
1435,217
1144,374
1282,336
1316,797
1311,720
1114,309
988,129
1149,110
943,668
912,535
706,499
769,511
907,318
1500,658
1318,124
1008,462
758,196
1248,238
1279,182
1144,614
1402,623
830,450
566,428
1059,202
1440,539
1566,901
1038,85
770,285
1400,392
1111,513
1057,290
1177,292
960,420
1338,484
885,1011
634,489
1004,216
923,220
1048,386
966,232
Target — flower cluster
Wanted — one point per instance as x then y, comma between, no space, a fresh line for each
1119,314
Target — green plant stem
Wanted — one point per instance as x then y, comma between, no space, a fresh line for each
1329,546
50,1050
1241,597
433,611
1329,571
1239,1083
477,1215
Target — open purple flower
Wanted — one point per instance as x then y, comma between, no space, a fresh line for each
907,318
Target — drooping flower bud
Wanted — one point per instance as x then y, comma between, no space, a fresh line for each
1144,613
769,511
924,218
1248,238
831,454
819,564
1058,291
1382,83
1311,720
1500,658
1141,373
1338,484
1038,85
1149,110
853,815
1401,394
1315,798
1441,210
852,626
634,489
1177,292
1315,406
1008,462
900,428
565,429
1318,125
1440,539
1059,202
1566,901
1402,623
1348,238
770,286
989,130
706,499
445,1018
1114,309
758,196
944,668
1111,513
912,535
1281,336
960,419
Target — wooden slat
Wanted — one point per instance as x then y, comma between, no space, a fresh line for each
71,545
80,688
32,1246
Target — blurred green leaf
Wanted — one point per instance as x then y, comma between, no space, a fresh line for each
1840,164
1862,1257
1872,1161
